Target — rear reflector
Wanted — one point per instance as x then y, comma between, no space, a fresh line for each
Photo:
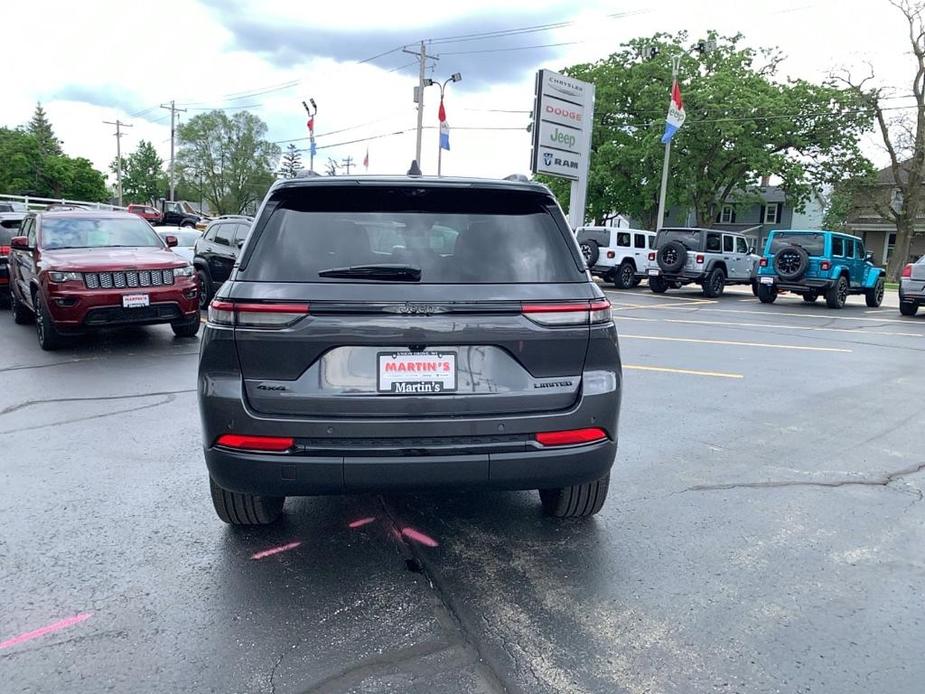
570,437
571,313
242,442
254,315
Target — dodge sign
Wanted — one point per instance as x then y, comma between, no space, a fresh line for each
563,110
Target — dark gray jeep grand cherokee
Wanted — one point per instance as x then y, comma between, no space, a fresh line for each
408,333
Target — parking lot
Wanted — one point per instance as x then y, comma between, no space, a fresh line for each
765,530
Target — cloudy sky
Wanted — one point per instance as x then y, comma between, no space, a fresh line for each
97,60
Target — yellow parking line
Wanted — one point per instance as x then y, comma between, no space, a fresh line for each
692,303
733,343
690,372
860,330
819,316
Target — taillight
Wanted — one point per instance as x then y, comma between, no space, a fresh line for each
699,260
4,250
907,271
254,315
825,265
570,437
763,262
651,256
243,442
573,313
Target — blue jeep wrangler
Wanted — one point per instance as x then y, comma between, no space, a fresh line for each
818,263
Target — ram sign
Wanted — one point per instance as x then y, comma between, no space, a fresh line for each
563,111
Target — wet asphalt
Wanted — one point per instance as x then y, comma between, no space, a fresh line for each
765,530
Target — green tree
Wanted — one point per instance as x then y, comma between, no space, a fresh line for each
292,162
742,123
232,157
41,129
142,174
20,160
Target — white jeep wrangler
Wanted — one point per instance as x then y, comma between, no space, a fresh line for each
618,255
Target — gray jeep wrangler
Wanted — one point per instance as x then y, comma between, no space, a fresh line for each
711,258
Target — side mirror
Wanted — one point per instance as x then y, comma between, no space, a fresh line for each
20,242
239,243
751,250
171,241
869,257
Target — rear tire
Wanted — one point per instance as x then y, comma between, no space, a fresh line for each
714,283
658,284
874,296
21,314
754,288
838,294
186,328
49,337
623,276
205,289
908,308
767,294
235,508
578,501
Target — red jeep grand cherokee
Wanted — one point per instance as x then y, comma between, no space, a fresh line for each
77,270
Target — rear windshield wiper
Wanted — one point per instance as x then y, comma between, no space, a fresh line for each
379,271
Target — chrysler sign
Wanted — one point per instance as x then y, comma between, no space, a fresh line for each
562,115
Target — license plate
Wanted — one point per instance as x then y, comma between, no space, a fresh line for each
653,272
135,300
416,373
767,280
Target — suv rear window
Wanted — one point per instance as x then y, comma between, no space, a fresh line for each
689,237
812,243
454,235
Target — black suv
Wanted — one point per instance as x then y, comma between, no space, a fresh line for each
217,251
406,333
711,258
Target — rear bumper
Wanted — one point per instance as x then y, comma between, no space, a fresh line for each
295,475
912,291
799,286
334,456
685,276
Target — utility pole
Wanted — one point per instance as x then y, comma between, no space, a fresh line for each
119,125
172,107
347,163
419,95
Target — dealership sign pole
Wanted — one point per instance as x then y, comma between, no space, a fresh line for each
563,113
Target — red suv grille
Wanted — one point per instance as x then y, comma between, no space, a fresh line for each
128,278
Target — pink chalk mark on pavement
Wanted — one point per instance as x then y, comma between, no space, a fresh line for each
51,628
360,522
417,536
276,550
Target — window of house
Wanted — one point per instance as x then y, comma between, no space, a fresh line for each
639,240
772,213
623,239
727,216
890,245
838,246
714,243
728,244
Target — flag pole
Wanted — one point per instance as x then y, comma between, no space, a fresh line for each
662,194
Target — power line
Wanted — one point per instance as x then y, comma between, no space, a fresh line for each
515,48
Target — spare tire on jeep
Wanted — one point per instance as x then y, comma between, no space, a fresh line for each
672,256
590,250
791,263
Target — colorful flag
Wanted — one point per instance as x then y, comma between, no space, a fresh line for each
676,114
444,127
311,147
366,160
311,125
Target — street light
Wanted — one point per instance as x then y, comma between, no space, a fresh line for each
455,77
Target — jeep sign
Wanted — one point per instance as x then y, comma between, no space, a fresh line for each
562,114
